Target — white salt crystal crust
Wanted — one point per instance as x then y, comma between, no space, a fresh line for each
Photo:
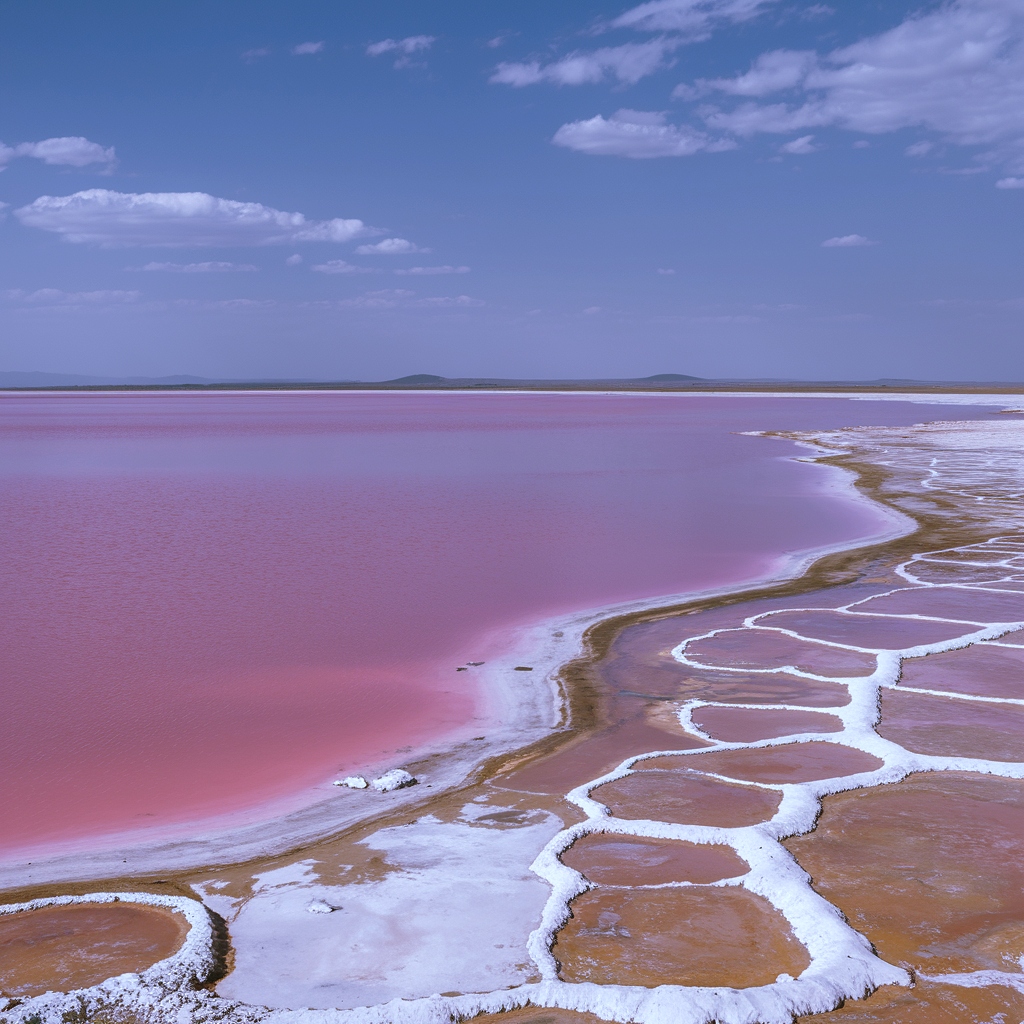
397,778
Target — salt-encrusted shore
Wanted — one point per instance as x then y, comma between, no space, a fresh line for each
520,709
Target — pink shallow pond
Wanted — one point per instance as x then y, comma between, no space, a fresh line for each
212,601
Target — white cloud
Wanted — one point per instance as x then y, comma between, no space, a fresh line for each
862,144
390,247
771,72
307,49
433,270
847,242
385,298
340,267
68,151
800,147
635,134
817,11
176,220
294,260
919,149
210,267
694,18
592,310
957,70
1010,183
408,46
627,63
56,297
447,301
259,52
666,271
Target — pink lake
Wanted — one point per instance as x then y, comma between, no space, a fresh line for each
211,601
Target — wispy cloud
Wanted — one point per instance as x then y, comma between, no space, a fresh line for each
66,151
209,267
1010,183
405,48
340,267
307,49
847,242
677,22
57,297
176,219
800,147
255,54
627,63
426,271
390,247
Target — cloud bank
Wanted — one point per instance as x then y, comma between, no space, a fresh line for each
176,220
67,151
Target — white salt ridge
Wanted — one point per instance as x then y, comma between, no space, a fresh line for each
397,778
842,965
353,782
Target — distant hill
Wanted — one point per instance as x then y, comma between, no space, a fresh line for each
669,377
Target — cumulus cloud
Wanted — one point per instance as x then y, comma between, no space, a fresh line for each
408,46
800,147
56,297
176,220
847,242
340,267
209,267
67,151
390,247
627,63
433,270
1010,183
957,70
635,134
307,49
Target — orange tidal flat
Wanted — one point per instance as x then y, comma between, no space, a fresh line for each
629,860
930,869
743,725
796,762
946,726
685,936
59,949
686,799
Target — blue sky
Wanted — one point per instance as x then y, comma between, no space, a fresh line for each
362,190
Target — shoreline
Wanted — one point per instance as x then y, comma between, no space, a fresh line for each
555,707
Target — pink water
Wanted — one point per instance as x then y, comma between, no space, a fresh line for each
210,601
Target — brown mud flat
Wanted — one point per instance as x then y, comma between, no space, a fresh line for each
928,1003
715,937
59,949
742,725
930,870
686,798
987,671
609,859
951,727
794,762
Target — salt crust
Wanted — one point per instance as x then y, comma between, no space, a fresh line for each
842,965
